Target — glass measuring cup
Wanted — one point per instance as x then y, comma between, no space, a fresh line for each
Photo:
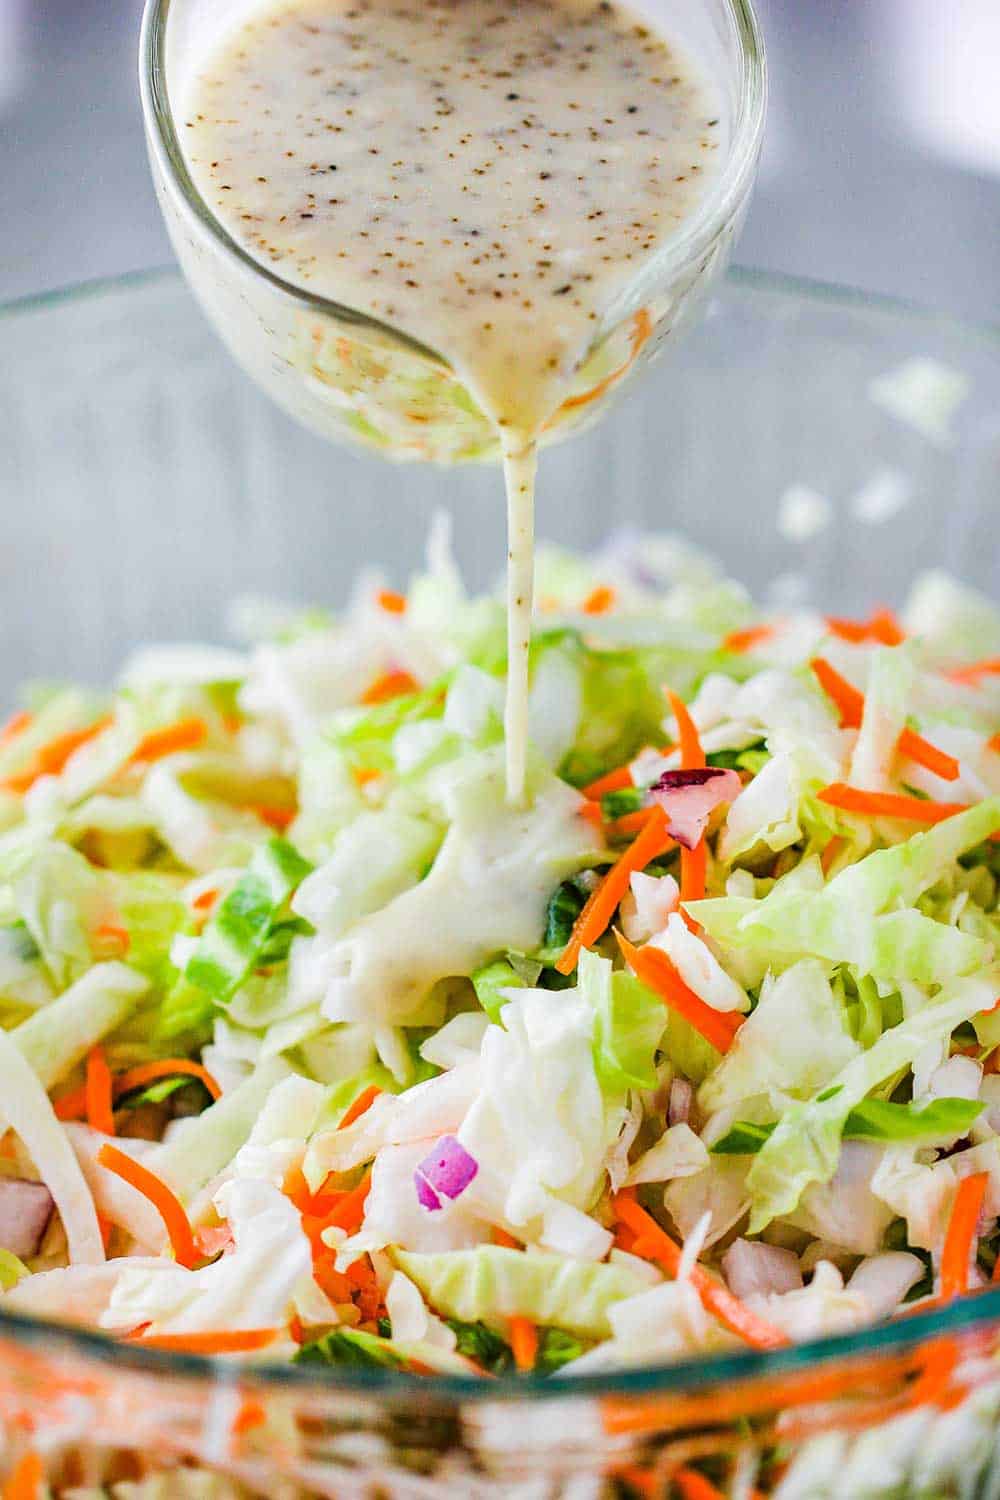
350,376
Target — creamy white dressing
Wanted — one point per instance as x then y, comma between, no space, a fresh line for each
489,178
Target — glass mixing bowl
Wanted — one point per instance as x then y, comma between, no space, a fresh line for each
145,482
350,376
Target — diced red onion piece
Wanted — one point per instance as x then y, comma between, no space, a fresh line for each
25,1210
445,1173
681,1099
755,1269
690,797
426,1196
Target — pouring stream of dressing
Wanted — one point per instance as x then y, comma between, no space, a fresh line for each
489,178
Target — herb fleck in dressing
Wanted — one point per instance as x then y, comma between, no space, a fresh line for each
489,177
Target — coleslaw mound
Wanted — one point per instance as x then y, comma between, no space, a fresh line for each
314,1049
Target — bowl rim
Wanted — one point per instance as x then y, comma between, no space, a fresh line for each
740,1367
718,208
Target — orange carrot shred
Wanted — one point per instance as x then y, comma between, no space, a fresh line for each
612,781
692,755
250,1415
591,811
994,744
113,934
694,865
186,734
363,775
628,825
391,602
49,759
99,1093
715,1298
694,1486
389,685
166,1067
524,1343
71,1105
971,674
643,1481
831,853
604,898
960,1239
654,968
223,1341
350,1211
851,706
26,1479
885,628
888,804
278,818
205,901
642,327
504,1240
166,1203
739,641
15,725
599,600
363,1102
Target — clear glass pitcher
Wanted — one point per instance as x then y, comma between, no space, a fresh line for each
350,376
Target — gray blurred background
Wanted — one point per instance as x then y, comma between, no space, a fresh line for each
882,164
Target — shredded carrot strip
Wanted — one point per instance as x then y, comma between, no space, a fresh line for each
278,818
223,1341
694,864
729,1310
642,327
186,734
205,901
689,740
960,1239
612,781
113,934
350,1211
389,685
831,853
167,1205
26,1479
654,968
15,725
591,811
884,627
505,1240
524,1343
71,1105
50,758
694,1486
603,900
994,744
628,825
971,674
851,706
391,602
881,626
363,775
599,601
888,804
167,1067
643,1481
99,1091
364,1101
250,1415
738,641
